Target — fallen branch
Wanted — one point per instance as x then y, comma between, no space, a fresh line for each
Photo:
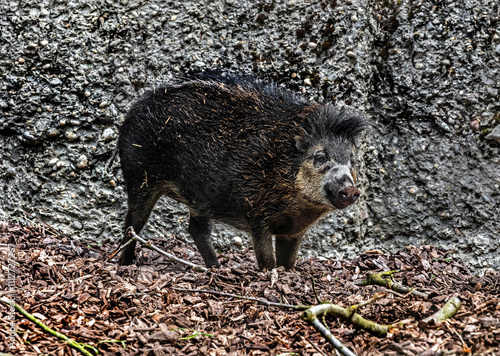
134,237
322,329
445,313
326,333
311,314
385,279
77,346
349,315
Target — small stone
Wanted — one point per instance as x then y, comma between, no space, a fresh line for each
354,18
312,45
21,60
44,43
82,162
70,135
413,190
103,104
351,54
419,65
77,225
494,135
307,81
55,82
474,125
53,133
53,161
237,241
107,134
10,172
443,125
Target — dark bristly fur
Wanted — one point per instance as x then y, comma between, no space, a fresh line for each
237,150
328,121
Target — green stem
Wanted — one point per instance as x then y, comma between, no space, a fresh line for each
30,317
381,279
446,312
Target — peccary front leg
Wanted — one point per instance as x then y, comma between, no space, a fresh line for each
263,247
287,249
140,204
200,229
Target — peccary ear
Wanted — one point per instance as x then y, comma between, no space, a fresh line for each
303,141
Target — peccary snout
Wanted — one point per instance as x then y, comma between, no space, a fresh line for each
339,186
342,198
349,195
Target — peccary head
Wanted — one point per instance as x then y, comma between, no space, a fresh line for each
326,176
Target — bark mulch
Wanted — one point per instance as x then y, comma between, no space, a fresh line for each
133,310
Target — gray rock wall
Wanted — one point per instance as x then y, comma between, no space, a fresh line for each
426,73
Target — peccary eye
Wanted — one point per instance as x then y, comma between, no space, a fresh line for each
320,158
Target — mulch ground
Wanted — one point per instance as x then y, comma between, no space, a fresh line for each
133,310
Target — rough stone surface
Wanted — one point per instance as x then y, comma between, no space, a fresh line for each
427,74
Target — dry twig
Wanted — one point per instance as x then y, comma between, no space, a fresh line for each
134,237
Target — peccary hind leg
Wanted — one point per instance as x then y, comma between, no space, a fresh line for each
287,249
200,229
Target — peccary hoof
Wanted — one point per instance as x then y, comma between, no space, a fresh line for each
126,258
